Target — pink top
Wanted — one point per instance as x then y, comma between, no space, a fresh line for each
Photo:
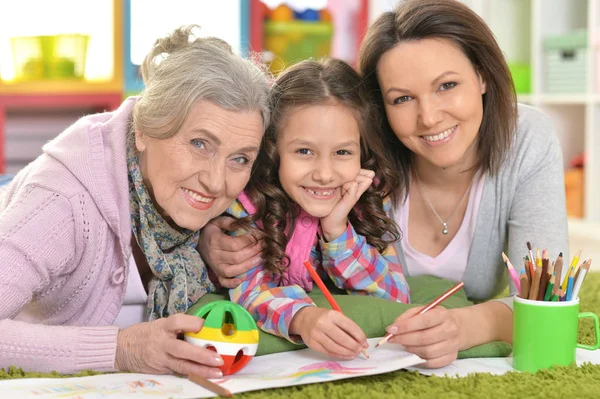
65,234
135,303
452,261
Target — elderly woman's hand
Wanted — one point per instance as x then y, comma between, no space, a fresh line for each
154,348
228,256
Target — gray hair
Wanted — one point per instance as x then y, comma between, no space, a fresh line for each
182,69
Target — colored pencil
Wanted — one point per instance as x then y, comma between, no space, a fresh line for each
529,276
571,267
315,276
211,386
551,282
535,285
512,272
524,293
544,278
432,305
530,258
558,271
583,270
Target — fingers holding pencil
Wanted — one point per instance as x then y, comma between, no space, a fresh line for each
432,335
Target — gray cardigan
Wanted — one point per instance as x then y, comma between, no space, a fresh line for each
524,202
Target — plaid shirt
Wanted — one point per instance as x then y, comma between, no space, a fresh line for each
349,261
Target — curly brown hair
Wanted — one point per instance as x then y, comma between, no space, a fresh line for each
307,83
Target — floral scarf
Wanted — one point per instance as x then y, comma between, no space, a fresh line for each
180,275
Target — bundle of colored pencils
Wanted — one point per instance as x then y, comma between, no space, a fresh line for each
540,280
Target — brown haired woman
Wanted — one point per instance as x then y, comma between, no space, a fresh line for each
481,174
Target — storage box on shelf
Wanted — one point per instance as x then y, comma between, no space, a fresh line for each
71,55
566,62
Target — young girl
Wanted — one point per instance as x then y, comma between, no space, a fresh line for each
311,195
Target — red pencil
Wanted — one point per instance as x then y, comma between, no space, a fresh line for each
432,305
315,276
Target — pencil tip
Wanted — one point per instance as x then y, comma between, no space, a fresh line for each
560,254
377,344
528,245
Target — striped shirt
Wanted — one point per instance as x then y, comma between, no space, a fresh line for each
349,261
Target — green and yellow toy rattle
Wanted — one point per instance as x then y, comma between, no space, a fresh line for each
228,330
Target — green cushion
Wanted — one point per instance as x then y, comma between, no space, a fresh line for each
373,315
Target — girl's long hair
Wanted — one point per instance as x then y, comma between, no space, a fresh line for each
328,81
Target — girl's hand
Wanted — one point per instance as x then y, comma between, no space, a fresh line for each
334,224
329,332
434,335
153,348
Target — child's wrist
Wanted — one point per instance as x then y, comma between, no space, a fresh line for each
332,234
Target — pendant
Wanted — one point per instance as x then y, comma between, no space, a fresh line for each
445,230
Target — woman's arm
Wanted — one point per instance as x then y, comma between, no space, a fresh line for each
483,323
356,266
37,246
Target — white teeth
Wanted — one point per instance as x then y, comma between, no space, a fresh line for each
320,193
197,197
441,136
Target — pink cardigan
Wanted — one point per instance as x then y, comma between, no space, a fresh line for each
65,235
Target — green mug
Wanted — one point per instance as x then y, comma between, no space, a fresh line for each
545,333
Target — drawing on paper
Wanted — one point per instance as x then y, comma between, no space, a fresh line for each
323,370
149,387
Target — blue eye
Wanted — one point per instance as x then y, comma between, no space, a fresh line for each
241,160
198,143
304,151
402,99
447,86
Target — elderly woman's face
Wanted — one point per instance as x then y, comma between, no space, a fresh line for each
196,174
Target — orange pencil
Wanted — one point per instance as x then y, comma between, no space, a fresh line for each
432,305
315,276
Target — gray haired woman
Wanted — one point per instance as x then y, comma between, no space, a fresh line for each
98,235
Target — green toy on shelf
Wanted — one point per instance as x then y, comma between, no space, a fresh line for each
292,36
49,57
228,330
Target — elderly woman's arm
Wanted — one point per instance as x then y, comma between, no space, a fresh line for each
28,249
228,256
40,252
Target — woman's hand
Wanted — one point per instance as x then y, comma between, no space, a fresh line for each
434,335
334,224
154,348
228,256
329,332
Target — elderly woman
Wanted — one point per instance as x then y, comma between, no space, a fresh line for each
98,235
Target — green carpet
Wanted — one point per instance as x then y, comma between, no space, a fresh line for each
563,382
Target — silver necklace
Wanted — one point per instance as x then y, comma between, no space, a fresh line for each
444,224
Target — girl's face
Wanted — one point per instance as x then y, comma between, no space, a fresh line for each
319,150
196,174
433,100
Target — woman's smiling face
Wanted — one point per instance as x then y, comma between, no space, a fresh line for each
433,100
194,176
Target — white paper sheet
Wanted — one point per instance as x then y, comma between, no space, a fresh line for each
271,371
496,365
